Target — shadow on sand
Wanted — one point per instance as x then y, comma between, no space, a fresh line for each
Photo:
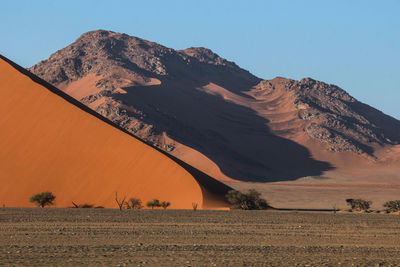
233,136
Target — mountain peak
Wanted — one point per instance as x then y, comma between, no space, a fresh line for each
103,51
97,33
204,55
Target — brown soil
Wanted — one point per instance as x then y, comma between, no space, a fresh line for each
203,238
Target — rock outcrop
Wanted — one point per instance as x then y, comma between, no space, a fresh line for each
336,118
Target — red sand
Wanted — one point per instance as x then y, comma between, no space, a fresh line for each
83,87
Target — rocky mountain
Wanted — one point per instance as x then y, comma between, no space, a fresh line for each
335,118
214,115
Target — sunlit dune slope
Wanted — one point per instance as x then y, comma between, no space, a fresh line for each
48,141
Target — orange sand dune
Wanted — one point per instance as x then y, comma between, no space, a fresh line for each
48,141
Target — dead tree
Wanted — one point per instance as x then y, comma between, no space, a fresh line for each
120,202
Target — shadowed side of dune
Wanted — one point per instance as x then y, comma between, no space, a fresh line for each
233,136
50,141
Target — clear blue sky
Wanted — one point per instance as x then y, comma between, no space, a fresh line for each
354,44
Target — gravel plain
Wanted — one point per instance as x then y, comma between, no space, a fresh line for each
71,237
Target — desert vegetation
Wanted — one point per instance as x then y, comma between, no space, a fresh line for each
392,205
194,206
82,206
134,203
85,206
165,204
251,200
43,199
120,202
359,204
154,203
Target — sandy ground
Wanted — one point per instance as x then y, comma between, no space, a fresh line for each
379,184
203,238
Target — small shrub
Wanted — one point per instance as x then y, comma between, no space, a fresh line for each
134,203
351,203
165,204
43,199
86,206
358,204
82,206
194,206
246,201
153,203
393,205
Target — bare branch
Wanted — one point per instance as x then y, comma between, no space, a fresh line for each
75,205
120,202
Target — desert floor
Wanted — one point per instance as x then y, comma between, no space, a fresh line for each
54,236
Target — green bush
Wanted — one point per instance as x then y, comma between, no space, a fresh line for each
165,204
153,203
43,199
393,205
246,201
134,203
358,204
